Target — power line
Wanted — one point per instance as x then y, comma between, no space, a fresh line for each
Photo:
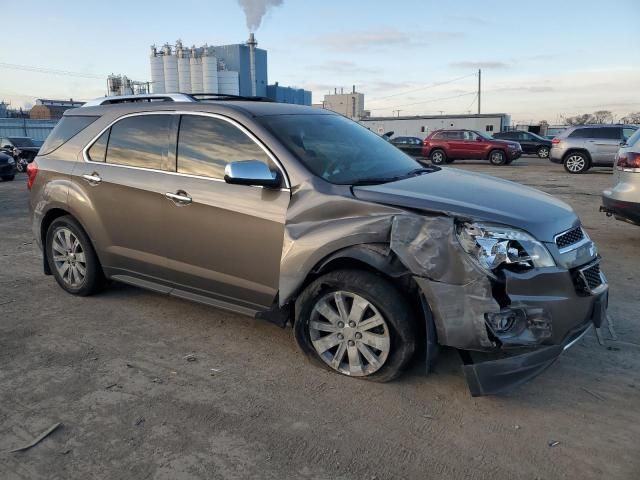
53,71
424,88
431,100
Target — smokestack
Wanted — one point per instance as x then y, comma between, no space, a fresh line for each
354,89
252,62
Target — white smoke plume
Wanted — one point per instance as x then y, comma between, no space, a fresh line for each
254,10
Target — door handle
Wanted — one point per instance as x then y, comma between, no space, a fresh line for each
93,179
180,197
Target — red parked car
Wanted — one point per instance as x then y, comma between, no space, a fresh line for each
445,146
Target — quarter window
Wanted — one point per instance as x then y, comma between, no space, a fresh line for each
140,141
98,150
206,145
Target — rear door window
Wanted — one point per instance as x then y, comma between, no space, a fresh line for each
607,133
141,141
582,133
67,128
206,145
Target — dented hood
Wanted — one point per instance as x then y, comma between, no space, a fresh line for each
478,196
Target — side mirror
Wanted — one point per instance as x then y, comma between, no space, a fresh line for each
251,172
479,139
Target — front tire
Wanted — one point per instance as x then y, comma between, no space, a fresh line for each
543,152
438,157
576,163
355,323
71,257
497,157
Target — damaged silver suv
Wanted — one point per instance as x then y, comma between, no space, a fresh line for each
301,216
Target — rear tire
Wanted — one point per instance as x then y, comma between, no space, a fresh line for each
438,157
8,178
355,323
71,257
543,152
576,163
497,157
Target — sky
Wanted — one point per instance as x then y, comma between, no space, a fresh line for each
540,60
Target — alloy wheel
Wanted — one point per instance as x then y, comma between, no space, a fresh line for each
543,152
576,163
349,333
69,257
437,158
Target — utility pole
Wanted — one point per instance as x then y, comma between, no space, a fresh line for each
479,89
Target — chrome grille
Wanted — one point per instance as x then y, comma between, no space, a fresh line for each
589,278
567,239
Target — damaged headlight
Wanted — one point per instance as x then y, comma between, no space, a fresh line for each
492,246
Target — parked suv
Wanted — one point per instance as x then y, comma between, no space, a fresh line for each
409,145
299,215
445,146
623,200
530,142
581,147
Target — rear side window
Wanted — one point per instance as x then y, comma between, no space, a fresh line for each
627,133
635,138
607,133
453,135
98,150
582,133
140,141
206,145
67,128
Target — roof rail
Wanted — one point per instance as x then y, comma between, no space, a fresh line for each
226,96
160,97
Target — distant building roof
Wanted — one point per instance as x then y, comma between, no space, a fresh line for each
49,112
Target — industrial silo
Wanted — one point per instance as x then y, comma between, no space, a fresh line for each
209,71
184,68
195,62
170,70
157,71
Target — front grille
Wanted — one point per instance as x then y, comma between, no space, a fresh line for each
589,278
569,238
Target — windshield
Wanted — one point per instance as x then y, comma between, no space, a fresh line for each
340,150
485,136
633,138
21,141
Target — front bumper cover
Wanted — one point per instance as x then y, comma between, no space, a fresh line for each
498,375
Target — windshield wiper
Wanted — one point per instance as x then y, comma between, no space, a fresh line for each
379,180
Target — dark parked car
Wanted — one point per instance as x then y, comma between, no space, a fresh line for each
409,145
445,146
301,216
7,166
26,148
530,142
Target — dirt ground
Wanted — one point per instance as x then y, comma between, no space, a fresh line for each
112,369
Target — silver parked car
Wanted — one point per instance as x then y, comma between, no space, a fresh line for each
623,200
301,216
584,146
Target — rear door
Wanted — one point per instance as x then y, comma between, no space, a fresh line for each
225,242
604,143
456,144
119,192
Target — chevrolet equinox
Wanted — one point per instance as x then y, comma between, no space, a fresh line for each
301,216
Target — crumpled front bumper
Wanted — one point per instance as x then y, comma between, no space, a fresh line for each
498,375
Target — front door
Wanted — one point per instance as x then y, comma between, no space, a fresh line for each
222,241
604,144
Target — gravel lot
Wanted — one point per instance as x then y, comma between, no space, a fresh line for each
112,369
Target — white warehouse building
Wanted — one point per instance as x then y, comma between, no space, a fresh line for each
420,126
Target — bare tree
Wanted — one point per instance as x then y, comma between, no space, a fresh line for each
579,119
633,118
602,116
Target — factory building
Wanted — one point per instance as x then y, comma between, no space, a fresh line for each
421,125
348,104
48,109
239,69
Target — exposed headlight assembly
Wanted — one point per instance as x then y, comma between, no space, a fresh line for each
495,246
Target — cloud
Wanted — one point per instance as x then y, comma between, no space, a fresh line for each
381,39
343,66
467,65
